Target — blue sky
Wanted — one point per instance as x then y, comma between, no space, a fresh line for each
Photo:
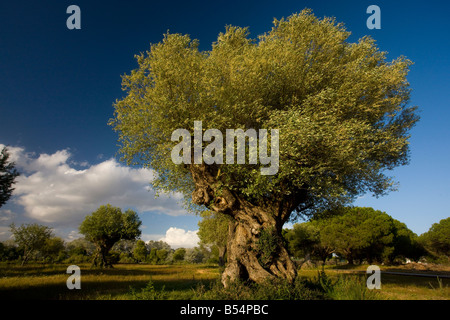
57,87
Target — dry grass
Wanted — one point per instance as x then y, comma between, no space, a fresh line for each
49,281
400,287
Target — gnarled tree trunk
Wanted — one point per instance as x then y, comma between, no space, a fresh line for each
101,256
255,249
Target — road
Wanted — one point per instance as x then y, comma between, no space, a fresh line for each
412,274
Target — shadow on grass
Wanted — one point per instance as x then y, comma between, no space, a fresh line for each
14,270
93,290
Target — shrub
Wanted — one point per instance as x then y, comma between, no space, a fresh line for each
278,289
346,287
148,293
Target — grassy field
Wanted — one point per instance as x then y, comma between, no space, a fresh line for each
130,281
49,281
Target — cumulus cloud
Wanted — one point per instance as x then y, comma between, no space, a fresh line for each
180,238
51,190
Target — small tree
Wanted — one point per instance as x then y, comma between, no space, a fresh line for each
179,254
162,255
213,231
9,251
53,249
8,175
194,255
305,240
360,233
406,243
30,238
107,225
153,257
437,239
140,251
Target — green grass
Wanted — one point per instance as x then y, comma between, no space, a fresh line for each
187,282
393,287
49,281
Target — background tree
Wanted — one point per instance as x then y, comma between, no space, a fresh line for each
9,251
8,175
194,255
53,250
125,250
341,110
80,250
406,243
30,238
179,254
152,256
213,231
140,251
107,225
304,240
162,255
158,245
363,234
437,239
360,233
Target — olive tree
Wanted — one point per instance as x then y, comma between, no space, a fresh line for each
340,108
30,238
106,226
213,231
8,175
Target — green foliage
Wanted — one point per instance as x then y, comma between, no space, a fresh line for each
8,175
106,226
213,232
278,289
9,251
346,287
267,246
304,240
162,255
354,233
341,109
194,255
140,251
437,239
79,250
152,256
360,233
148,293
53,250
179,254
30,238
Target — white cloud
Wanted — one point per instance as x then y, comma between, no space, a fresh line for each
180,238
50,190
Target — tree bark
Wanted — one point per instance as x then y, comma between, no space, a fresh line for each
250,255
249,258
101,256
222,252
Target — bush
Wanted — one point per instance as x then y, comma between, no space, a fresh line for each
346,287
149,293
78,258
278,289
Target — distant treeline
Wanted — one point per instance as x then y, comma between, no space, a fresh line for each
358,234
348,234
56,250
